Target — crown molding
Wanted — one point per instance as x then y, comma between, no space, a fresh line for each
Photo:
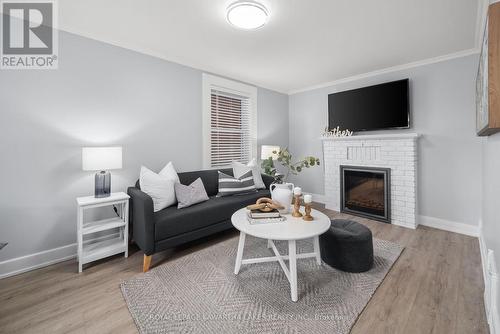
154,54
428,61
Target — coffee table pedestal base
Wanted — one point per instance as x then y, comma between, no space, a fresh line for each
291,270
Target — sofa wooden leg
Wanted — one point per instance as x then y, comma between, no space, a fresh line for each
146,263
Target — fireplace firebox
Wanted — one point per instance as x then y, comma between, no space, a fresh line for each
365,192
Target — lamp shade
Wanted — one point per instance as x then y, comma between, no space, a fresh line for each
101,158
266,152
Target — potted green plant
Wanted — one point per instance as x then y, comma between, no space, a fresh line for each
281,190
291,167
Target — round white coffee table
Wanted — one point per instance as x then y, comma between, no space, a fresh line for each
292,229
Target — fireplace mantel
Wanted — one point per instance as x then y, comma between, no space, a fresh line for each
375,137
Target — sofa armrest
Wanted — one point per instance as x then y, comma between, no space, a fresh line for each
142,219
268,179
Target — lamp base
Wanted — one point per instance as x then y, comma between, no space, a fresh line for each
102,184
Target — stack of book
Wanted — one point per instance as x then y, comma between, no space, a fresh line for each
259,217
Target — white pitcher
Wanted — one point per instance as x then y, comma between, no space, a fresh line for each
283,194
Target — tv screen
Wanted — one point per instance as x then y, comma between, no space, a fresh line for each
384,106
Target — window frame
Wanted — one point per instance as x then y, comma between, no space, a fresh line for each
211,82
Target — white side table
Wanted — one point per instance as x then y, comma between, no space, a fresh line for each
92,250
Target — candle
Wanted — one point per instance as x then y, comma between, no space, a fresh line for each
297,191
308,198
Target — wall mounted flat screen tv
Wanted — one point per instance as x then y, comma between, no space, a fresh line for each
384,106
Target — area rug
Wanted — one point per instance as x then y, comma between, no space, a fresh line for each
199,292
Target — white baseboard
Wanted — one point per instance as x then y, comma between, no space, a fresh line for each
484,256
495,309
491,286
38,260
42,259
448,225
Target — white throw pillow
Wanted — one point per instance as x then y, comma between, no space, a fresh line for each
239,169
158,187
169,172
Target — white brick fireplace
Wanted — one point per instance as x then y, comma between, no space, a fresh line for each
395,151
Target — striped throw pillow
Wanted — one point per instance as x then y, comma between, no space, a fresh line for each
229,185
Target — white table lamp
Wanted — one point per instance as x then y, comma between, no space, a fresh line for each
266,152
102,159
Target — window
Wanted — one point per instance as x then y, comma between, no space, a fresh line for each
229,122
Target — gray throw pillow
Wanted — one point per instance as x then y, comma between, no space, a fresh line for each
229,185
189,195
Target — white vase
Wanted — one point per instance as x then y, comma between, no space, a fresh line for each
283,194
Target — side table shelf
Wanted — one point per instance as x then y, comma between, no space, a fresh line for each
94,249
102,225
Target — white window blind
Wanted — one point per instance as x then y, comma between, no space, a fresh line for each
230,128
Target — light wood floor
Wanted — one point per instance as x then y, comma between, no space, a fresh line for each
435,287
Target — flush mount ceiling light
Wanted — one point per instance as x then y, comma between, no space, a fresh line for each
247,14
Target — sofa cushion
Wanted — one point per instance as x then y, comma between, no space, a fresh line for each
239,169
209,177
170,173
158,187
171,221
229,185
190,195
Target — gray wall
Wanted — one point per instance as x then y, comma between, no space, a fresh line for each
442,103
272,121
491,195
104,95
100,95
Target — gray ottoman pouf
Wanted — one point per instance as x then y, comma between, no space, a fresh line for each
347,246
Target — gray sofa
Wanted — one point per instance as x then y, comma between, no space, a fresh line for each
157,231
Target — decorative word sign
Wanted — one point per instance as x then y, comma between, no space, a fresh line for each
336,133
